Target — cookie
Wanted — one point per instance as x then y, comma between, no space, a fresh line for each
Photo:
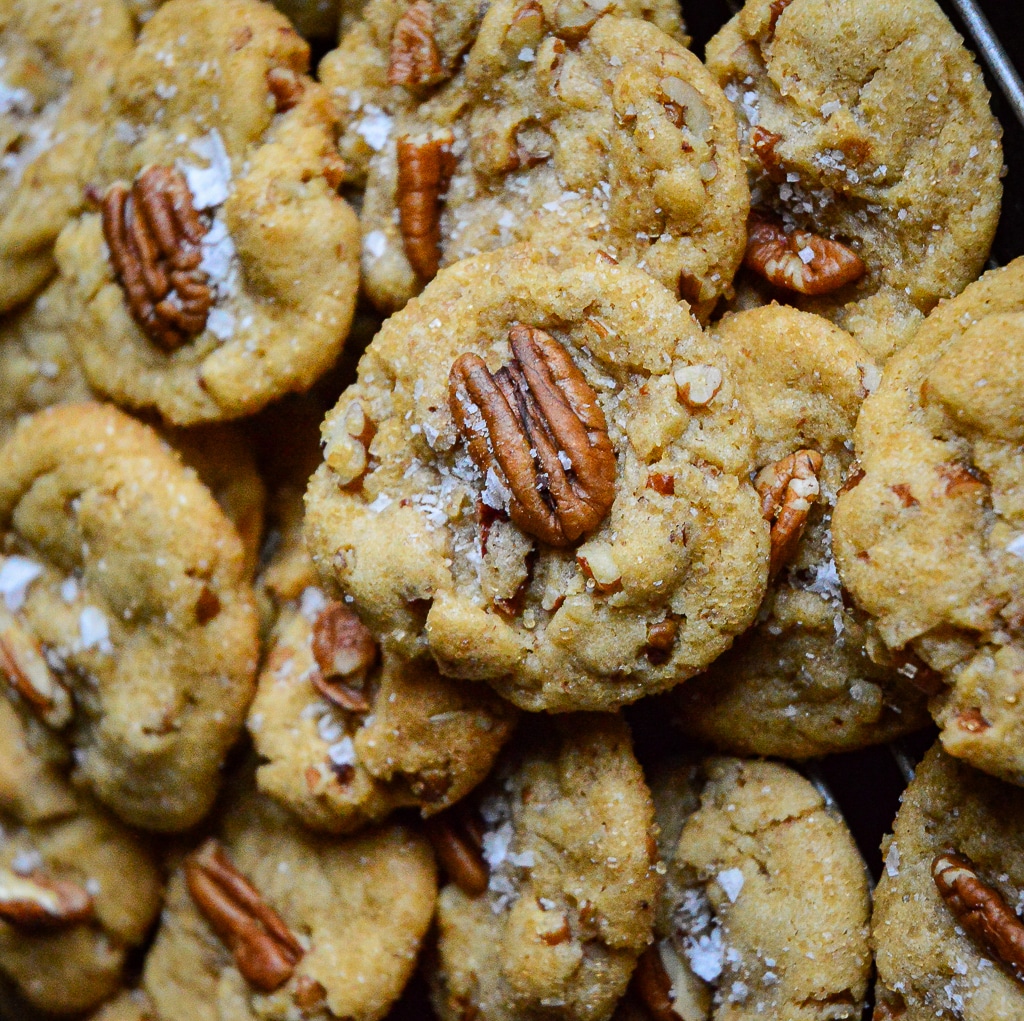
607,130
128,626
552,882
221,270
953,863
613,554
57,59
873,157
275,922
133,1005
929,535
765,907
799,683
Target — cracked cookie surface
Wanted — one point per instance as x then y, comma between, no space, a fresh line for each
441,556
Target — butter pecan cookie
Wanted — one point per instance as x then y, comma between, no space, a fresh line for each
873,156
929,535
127,626
765,907
552,881
221,271
540,478
272,921
948,939
57,59
800,682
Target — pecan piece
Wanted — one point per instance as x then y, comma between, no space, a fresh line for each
458,841
265,950
799,261
28,673
762,144
286,86
787,490
980,909
154,233
537,425
425,167
414,59
36,902
344,651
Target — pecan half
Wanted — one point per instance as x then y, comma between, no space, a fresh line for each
787,490
154,233
537,425
265,950
980,909
414,59
799,261
457,837
35,901
28,673
425,167
344,651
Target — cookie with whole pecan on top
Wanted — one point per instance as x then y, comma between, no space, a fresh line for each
540,478
221,270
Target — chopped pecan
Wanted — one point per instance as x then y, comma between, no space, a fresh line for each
903,493
425,167
457,837
348,445
980,909
854,476
662,483
661,637
653,986
959,479
308,993
265,950
762,144
697,385
775,12
286,86
799,260
537,425
598,564
28,673
972,721
37,902
154,233
414,59
787,490
344,651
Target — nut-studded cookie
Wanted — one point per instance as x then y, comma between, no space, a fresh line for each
552,880
608,130
540,478
929,535
947,935
272,921
126,623
800,682
221,269
873,155
57,58
765,907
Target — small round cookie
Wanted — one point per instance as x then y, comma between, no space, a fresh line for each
127,624
946,910
610,130
221,270
929,534
553,884
595,540
765,907
799,683
272,921
57,59
874,158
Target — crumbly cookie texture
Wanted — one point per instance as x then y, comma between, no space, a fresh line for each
672,560
222,269
800,682
567,851
57,59
131,1005
930,965
868,123
355,911
930,540
765,907
125,610
613,132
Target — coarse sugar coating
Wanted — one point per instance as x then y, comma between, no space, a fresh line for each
57,59
930,965
442,556
125,612
222,269
568,852
799,683
353,910
868,122
930,538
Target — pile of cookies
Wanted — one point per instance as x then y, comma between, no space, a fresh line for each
370,439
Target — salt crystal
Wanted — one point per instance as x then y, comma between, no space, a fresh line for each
311,602
220,323
1016,547
94,630
892,861
526,54
16,575
342,753
806,255
374,128
210,185
731,881
375,244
